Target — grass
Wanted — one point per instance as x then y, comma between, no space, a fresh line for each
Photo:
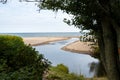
102,78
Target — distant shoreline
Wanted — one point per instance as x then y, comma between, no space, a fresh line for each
77,46
44,34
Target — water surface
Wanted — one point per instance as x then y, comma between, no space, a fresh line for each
77,63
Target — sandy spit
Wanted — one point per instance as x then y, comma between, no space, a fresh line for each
78,47
35,41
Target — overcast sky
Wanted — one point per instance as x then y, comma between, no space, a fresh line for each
18,16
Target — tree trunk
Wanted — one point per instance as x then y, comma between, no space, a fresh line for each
111,51
118,40
101,45
101,49
117,28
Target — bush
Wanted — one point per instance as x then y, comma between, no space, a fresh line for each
61,72
62,68
19,61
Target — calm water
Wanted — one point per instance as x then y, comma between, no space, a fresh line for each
48,34
77,63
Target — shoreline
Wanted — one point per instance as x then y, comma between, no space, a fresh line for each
76,47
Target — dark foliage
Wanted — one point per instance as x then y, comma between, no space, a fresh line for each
19,61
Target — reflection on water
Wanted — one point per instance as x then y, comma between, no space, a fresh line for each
98,69
94,67
77,63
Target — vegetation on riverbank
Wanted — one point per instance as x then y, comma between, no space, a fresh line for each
61,72
102,78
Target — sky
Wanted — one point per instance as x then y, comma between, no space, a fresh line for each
22,17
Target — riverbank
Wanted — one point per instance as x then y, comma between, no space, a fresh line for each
77,46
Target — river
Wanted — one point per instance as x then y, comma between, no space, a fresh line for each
77,63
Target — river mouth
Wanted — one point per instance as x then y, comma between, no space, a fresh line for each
77,63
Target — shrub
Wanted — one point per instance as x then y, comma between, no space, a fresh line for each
61,72
62,68
19,61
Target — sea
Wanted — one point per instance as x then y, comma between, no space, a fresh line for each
45,34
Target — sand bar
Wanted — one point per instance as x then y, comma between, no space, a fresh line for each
34,41
78,47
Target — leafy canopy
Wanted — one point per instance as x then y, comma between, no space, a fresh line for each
87,14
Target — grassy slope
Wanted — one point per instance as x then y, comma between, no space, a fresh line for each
98,78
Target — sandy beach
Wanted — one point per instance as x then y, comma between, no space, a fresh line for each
77,46
34,41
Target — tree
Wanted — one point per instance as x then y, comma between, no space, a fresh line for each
100,16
